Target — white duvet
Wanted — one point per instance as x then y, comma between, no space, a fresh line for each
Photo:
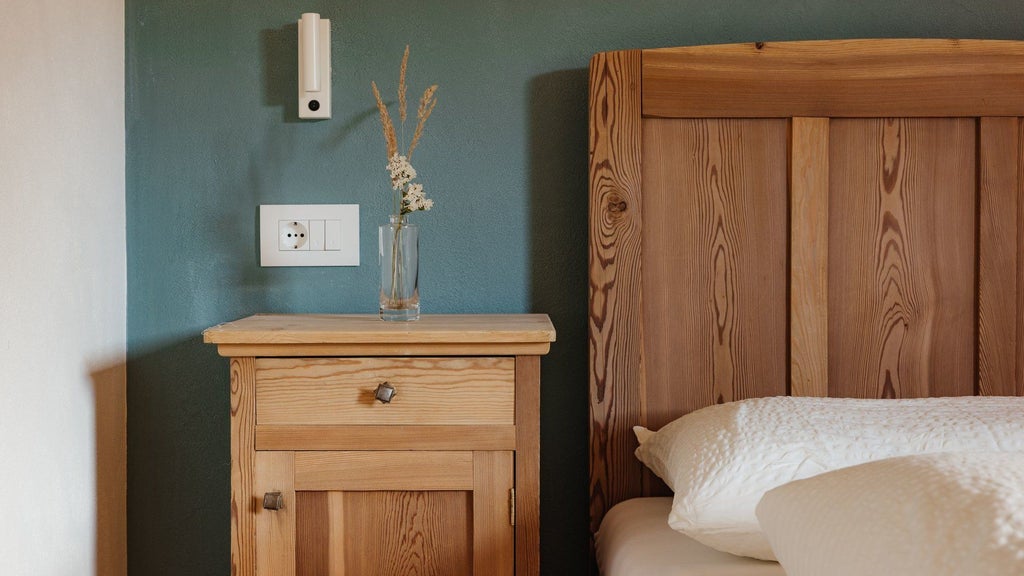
945,514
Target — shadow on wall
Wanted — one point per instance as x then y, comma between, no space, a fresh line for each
558,255
279,51
181,460
108,383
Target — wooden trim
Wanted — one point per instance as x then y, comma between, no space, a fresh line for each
837,78
414,349
110,396
1020,255
272,437
243,467
527,466
494,542
997,254
275,529
384,470
366,335
809,257
368,329
616,340
336,540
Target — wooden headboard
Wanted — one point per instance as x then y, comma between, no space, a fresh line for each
837,218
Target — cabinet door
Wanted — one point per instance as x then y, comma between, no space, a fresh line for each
386,513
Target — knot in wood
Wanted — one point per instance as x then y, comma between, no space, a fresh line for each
616,203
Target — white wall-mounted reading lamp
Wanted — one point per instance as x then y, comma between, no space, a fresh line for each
314,66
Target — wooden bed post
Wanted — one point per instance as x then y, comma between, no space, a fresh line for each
616,362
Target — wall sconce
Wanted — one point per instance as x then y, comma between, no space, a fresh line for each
314,66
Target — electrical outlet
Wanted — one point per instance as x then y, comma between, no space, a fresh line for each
309,235
293,235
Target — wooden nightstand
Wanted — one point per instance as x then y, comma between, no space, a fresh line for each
329,478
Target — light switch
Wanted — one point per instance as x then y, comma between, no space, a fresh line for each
316,234
332,235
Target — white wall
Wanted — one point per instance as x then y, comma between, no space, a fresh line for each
62,286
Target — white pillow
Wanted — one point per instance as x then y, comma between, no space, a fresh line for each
944,514
721,459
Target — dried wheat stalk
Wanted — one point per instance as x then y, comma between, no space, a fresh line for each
385,122
427,103
401,85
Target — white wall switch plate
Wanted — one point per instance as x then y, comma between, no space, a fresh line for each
309,235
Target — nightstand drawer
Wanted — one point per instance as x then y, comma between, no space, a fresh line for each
340,391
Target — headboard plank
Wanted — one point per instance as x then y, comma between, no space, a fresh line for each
902,257
616,337
809,257
713,262
851,78
998,150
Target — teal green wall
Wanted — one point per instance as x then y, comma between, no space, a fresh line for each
212,134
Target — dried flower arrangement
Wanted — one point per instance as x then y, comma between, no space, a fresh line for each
409,196
399,295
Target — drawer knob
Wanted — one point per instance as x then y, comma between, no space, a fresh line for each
385,392
273,501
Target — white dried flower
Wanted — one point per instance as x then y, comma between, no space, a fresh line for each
401,171
413,199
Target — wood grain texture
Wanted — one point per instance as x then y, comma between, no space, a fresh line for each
408,533
368,329
851,78
808,268
340,391
494,536
384,533
340,546
1020,263
998,150
428,485
425,349
110,397
320,543
243,467
314,543
367,437
409,470
911,188
714,263
527,466
615,339
275,529
902,258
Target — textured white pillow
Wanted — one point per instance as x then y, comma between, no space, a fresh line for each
720,460
945,514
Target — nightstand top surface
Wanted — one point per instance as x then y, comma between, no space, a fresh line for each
297,334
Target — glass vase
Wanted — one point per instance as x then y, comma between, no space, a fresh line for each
399,270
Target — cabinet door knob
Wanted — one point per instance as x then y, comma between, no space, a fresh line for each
273,501
385,392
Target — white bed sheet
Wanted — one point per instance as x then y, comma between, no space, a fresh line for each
635,540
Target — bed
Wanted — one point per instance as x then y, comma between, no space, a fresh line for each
815,219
